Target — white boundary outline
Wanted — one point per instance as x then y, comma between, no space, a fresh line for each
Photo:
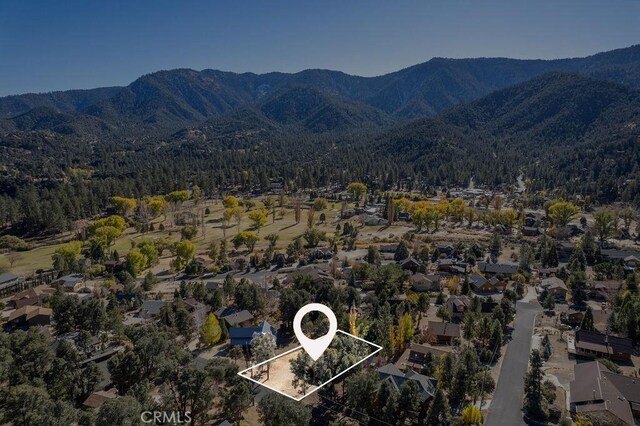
240,373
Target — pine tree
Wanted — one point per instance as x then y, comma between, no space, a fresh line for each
587,321
439,412
402,252
534,401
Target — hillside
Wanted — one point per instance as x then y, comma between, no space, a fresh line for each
182,98
556,107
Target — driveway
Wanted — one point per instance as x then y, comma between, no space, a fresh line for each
506,405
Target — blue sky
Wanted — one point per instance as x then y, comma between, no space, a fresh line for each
58,45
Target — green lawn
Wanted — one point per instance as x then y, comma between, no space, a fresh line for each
40,257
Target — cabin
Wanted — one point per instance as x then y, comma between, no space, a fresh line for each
416,355
442,333
605,290
426,385
151,308
235,318
421,282
29,316
457,306
410,264
36,296
555,286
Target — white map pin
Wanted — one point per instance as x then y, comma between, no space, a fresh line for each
315,347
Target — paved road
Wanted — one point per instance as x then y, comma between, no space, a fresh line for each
506,405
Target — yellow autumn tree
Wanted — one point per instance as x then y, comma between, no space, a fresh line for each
258,218
123,205
471,415
211,330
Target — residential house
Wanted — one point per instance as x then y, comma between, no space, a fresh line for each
613,254
415,356
572,317
318,275
442,333
35,296
504,269
592,344
151,308
480,284
555,286
457,306
29,316
71,283
244,335
198,311
603,396
426,385
421,282
451,265
235,318
605,290
548,272
411,264
446,249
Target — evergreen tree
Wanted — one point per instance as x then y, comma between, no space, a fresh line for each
587,321
535,404
402,252
439,412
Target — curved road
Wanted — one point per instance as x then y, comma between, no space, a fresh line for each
506,405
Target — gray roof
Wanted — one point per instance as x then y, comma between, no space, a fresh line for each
497,268
152,307
70,280
477,279
237,317
245,335
553,282
6,277
396,377
596,388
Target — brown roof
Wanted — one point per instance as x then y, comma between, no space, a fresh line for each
553,282
29,312
610,285
443,329
34,292
596,388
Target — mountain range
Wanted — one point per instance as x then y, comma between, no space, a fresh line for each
570,124
184,97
